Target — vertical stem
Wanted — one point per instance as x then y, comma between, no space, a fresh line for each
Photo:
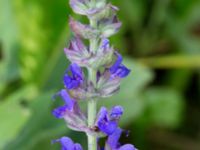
92,141
94,41
92,104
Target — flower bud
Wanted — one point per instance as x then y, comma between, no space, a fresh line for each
81,30
103,55
109,26
79,6
104,11
96,11
106,86
109,81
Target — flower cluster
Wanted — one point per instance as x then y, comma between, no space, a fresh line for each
95,72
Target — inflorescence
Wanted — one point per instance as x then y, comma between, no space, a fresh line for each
104,73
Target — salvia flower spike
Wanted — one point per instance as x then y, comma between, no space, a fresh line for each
105,70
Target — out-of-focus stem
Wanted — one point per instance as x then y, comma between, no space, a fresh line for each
168,62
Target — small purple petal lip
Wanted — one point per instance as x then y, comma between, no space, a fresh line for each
116,112
118,69
67,144
75,79
117,63
113,143
105,44
59,112
69,104
108,122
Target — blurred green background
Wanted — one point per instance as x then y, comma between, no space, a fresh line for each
161,42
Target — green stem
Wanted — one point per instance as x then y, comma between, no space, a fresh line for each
173,61
94,41
92,141
92,104
92,107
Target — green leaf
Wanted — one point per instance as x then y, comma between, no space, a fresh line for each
8,39
41,36
164,106
181,29
39,121
13,114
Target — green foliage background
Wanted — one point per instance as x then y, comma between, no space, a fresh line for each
161,42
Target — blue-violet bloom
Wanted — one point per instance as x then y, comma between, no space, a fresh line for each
118,69
70,112
113,144
106,121
73,77
109,81
68,144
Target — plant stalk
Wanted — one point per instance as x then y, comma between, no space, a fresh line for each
92,108
92,141
92,104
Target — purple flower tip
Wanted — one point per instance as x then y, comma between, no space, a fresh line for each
59,112
68,144
69,104
108,122
105,43
113,141
73,76
118,69
116,112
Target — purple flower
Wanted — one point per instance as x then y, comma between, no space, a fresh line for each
108,82
113,144
68,144
70,112
73,77
69,104
118,69
106,121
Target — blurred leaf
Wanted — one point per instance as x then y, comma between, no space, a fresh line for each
40,36
39,122
13,114
8,42
164,106
180,28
